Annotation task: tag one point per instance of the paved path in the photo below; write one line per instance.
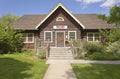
(82, 61)
(60, 71)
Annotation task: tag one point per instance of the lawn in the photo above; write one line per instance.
(96, 71)
(21, 66)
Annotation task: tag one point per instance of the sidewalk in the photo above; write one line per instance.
(60, 71)
(82, 61)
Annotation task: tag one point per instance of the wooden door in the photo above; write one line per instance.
(60, 39)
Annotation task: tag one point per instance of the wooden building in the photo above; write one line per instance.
(59, 27)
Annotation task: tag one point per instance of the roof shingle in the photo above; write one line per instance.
(90, 21)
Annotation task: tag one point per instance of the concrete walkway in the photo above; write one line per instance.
(81, 61)
(60, 71)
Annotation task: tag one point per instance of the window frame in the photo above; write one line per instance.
(69, 35)
(45, 36)
(62, 19)
(26, 38)
(93, 38)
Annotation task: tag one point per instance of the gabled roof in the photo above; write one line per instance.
(87, 21)
(91, 21)
(60, 5)
(28, 22)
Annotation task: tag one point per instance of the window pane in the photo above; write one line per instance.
(72, 35)
(30, 37)
(96, 37)
(48, 36)
(24, 38)
(90, 37)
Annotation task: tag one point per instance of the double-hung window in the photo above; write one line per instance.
(28, 38)
(93, 37)
(72, 35)
(48, 36)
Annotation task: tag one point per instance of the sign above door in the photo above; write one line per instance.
(60, 27)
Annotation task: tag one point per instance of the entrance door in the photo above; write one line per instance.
(60, 39)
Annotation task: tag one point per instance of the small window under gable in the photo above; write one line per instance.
(60, 19)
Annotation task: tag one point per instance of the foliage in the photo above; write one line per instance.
(79, 48)
(110, 35)
(102, 16)
(97, 71)
(92, 47)
(20, 66)
(103, 56)
(10, 40)
(114, 17)
(42, 53)
(114, 47)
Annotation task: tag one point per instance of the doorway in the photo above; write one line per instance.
(60, 39)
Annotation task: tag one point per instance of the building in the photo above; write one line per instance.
(59, 27)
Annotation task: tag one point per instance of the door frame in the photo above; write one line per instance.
(56, 37)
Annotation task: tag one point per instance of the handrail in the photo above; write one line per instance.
(48, 50)
(73, 49)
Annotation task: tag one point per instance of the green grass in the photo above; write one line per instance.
(20, 66)
(97, 71)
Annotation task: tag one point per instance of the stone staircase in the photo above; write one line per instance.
(60, 53)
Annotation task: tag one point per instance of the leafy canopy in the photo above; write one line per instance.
(10, 40)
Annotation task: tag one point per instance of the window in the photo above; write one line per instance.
(48, 36)
(72, 35)
(93, 37)
(28, 38)
(60, 19)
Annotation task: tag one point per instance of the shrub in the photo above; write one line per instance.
(114, 47)
(94, 47)
(103, 56)
(42, 53)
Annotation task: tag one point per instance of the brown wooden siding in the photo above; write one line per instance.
(51, 21)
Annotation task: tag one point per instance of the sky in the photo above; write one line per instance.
(22, 7)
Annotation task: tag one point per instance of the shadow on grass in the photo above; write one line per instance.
(97, 71)
(14, 69)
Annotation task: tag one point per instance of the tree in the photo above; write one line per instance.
(114, 18)
(10, 40)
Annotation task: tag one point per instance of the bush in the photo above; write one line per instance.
(94, 47)
(42, 53)
(103, 56)
(114, 47)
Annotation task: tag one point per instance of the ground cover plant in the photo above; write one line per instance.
(97, 71)
(21, 66)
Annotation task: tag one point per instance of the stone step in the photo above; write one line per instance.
(60, 58)
(60, 53)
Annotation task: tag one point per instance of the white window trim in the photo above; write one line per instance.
(93, 36)
(51, 36)
(27, 38)
(60, 20)
(69, 35)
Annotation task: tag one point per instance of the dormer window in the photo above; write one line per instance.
(60, 19)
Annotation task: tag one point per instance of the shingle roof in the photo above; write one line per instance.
(28, 22)
(90, 21)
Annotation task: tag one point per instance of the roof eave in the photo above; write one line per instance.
(60, 5)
